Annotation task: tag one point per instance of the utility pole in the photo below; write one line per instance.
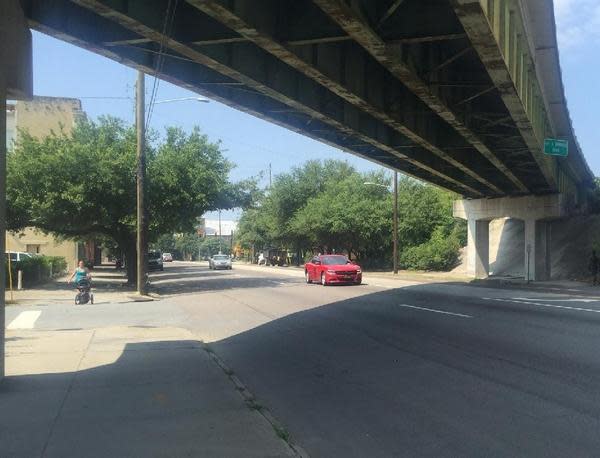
(199, 245)
(220, 233)
(395, 222)
(2, 211)
(142, 239)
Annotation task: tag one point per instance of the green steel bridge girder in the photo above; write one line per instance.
(452, 92)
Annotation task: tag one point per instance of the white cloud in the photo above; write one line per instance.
(578, 23)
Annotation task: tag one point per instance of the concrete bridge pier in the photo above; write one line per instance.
(534, 211)
(16, 82)
(478, 247)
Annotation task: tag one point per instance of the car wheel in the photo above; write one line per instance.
(162, 269)
(307, 276)
(358, 282)
(323, 279)
(91, 298)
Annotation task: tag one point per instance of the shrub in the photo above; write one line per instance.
(37, 269)
(59, 264)
(440, 252)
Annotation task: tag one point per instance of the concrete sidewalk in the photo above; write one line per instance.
(126, 392)
(109, 285)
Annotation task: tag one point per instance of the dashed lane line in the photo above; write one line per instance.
(540, 304)
(556, 300)
(435, 311)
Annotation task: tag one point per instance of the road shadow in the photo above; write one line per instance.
(156, 277)
(366, 377)
(161, 398)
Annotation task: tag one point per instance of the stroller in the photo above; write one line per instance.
(84, 294)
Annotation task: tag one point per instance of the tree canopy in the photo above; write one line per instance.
(84, 183)
(327, 206)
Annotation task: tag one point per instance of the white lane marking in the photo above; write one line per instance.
(555, 300)
(435, 311)
(24, 320)
(539, 304)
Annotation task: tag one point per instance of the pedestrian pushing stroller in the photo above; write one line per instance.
(84, 292)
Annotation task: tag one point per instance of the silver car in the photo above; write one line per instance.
(219, 261)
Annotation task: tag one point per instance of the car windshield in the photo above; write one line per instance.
(154, 254)
(166, 254)
(334, 260)
(221, 257)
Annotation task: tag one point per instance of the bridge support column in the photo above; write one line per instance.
(535, 211)
(478, 248)
(15, 83)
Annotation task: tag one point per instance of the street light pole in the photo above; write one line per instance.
(141, 236)
(395, 222)
(395, 217)
(220, 233)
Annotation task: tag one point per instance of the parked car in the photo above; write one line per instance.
(18, 255)
(167, 257)
(220, 261)
(155, 261)
(332, 269)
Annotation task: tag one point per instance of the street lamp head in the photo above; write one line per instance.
(197, 99)
(370, 183)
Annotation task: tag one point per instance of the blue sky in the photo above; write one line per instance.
(64, 70)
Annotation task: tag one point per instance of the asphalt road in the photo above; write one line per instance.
(380, 371)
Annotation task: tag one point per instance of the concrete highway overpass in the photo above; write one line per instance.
(458, 93)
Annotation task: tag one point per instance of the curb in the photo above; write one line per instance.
(252, 404)
(140, 298)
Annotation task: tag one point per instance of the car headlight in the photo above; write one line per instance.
(358, 271)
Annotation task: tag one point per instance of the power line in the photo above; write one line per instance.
(166, 31)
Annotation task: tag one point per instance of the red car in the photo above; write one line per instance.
(332, 269)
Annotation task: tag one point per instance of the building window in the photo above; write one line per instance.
(32, 248)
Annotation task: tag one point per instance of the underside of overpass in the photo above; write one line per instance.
(459, 93)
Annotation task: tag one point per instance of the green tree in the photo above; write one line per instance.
(348, 216)
(187, 245)
(253, 229)
(83, 184)
(166, 243)
(327, 206)
(212, 245)
(268, 223)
